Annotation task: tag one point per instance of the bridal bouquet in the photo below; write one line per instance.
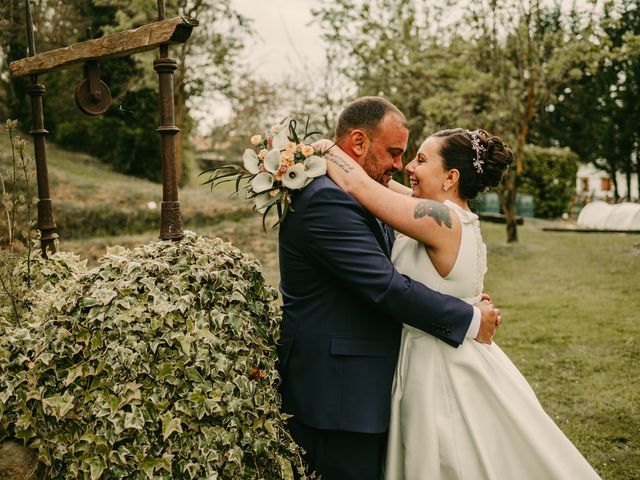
(277, 164)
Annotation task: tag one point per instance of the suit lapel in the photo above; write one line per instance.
(379, 230)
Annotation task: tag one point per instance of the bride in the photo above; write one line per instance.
(464, 413)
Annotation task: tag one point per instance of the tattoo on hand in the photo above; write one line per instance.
(337, 161)
(435, 210)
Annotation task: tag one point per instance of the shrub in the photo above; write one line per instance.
(27, 276)
(549, 175)
(158, 363)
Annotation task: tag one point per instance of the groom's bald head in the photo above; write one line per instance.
(366, 114)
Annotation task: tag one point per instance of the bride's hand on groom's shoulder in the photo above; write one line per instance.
(490, 319)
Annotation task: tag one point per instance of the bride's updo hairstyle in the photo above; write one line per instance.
(481, 159)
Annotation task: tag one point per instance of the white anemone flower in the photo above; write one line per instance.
(251, 161)
(261, 201)
(315, 166)
(262, 182)
(295, 177)
(272, 160)
(280, 139)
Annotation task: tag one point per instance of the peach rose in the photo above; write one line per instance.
(290, 147)
(307, 150)
(287, 155)
(256, 139)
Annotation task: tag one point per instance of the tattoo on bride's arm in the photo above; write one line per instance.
(337, 161)
(435, 210)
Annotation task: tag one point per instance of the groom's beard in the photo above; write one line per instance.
(372, 166)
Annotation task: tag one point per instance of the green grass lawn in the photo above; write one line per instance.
(571, 302)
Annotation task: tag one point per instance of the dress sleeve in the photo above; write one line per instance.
(338, 235)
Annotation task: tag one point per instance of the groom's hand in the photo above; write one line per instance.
(490, 318)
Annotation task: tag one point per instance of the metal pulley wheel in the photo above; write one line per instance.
(92, 95)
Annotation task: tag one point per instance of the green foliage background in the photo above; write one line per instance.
(550, 176)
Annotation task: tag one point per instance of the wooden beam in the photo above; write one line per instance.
(141, 39)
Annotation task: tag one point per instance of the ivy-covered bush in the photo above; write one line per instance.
(24, 273)
(159, 363)
(549, 175)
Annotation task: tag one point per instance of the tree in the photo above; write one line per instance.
(531, 52)
(598, 115)
(57, 22)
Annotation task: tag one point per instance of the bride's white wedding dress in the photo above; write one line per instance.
(467, 413)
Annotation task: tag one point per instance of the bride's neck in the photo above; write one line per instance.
(455, 198)
(458, 201)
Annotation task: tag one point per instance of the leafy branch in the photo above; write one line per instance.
(14, 203)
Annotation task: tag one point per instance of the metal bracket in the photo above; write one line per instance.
(92, 95)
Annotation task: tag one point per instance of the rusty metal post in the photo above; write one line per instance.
(46, 219)
(170, 216)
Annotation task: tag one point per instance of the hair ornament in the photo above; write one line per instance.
(478, 148)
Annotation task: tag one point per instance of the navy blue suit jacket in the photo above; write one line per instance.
(343, 309)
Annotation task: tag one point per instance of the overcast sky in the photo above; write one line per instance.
(285, 35)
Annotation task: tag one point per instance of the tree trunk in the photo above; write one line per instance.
(508, 204)
(508, 197)
(614, 181)
(638, 172)
(637, 158)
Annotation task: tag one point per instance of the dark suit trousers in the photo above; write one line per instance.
(340, 455)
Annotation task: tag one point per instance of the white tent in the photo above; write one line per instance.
(604, 216)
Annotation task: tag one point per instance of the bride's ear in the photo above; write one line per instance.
(453, 177)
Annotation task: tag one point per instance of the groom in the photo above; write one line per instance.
(344, 305)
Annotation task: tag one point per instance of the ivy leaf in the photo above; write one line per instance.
(96, 466)
(170, 425)
(134, 419)
(104, 296)
(59, 405)
(89, 302)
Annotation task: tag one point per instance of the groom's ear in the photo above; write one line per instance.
(359, 142)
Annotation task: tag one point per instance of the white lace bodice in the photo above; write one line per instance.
(465, 280)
